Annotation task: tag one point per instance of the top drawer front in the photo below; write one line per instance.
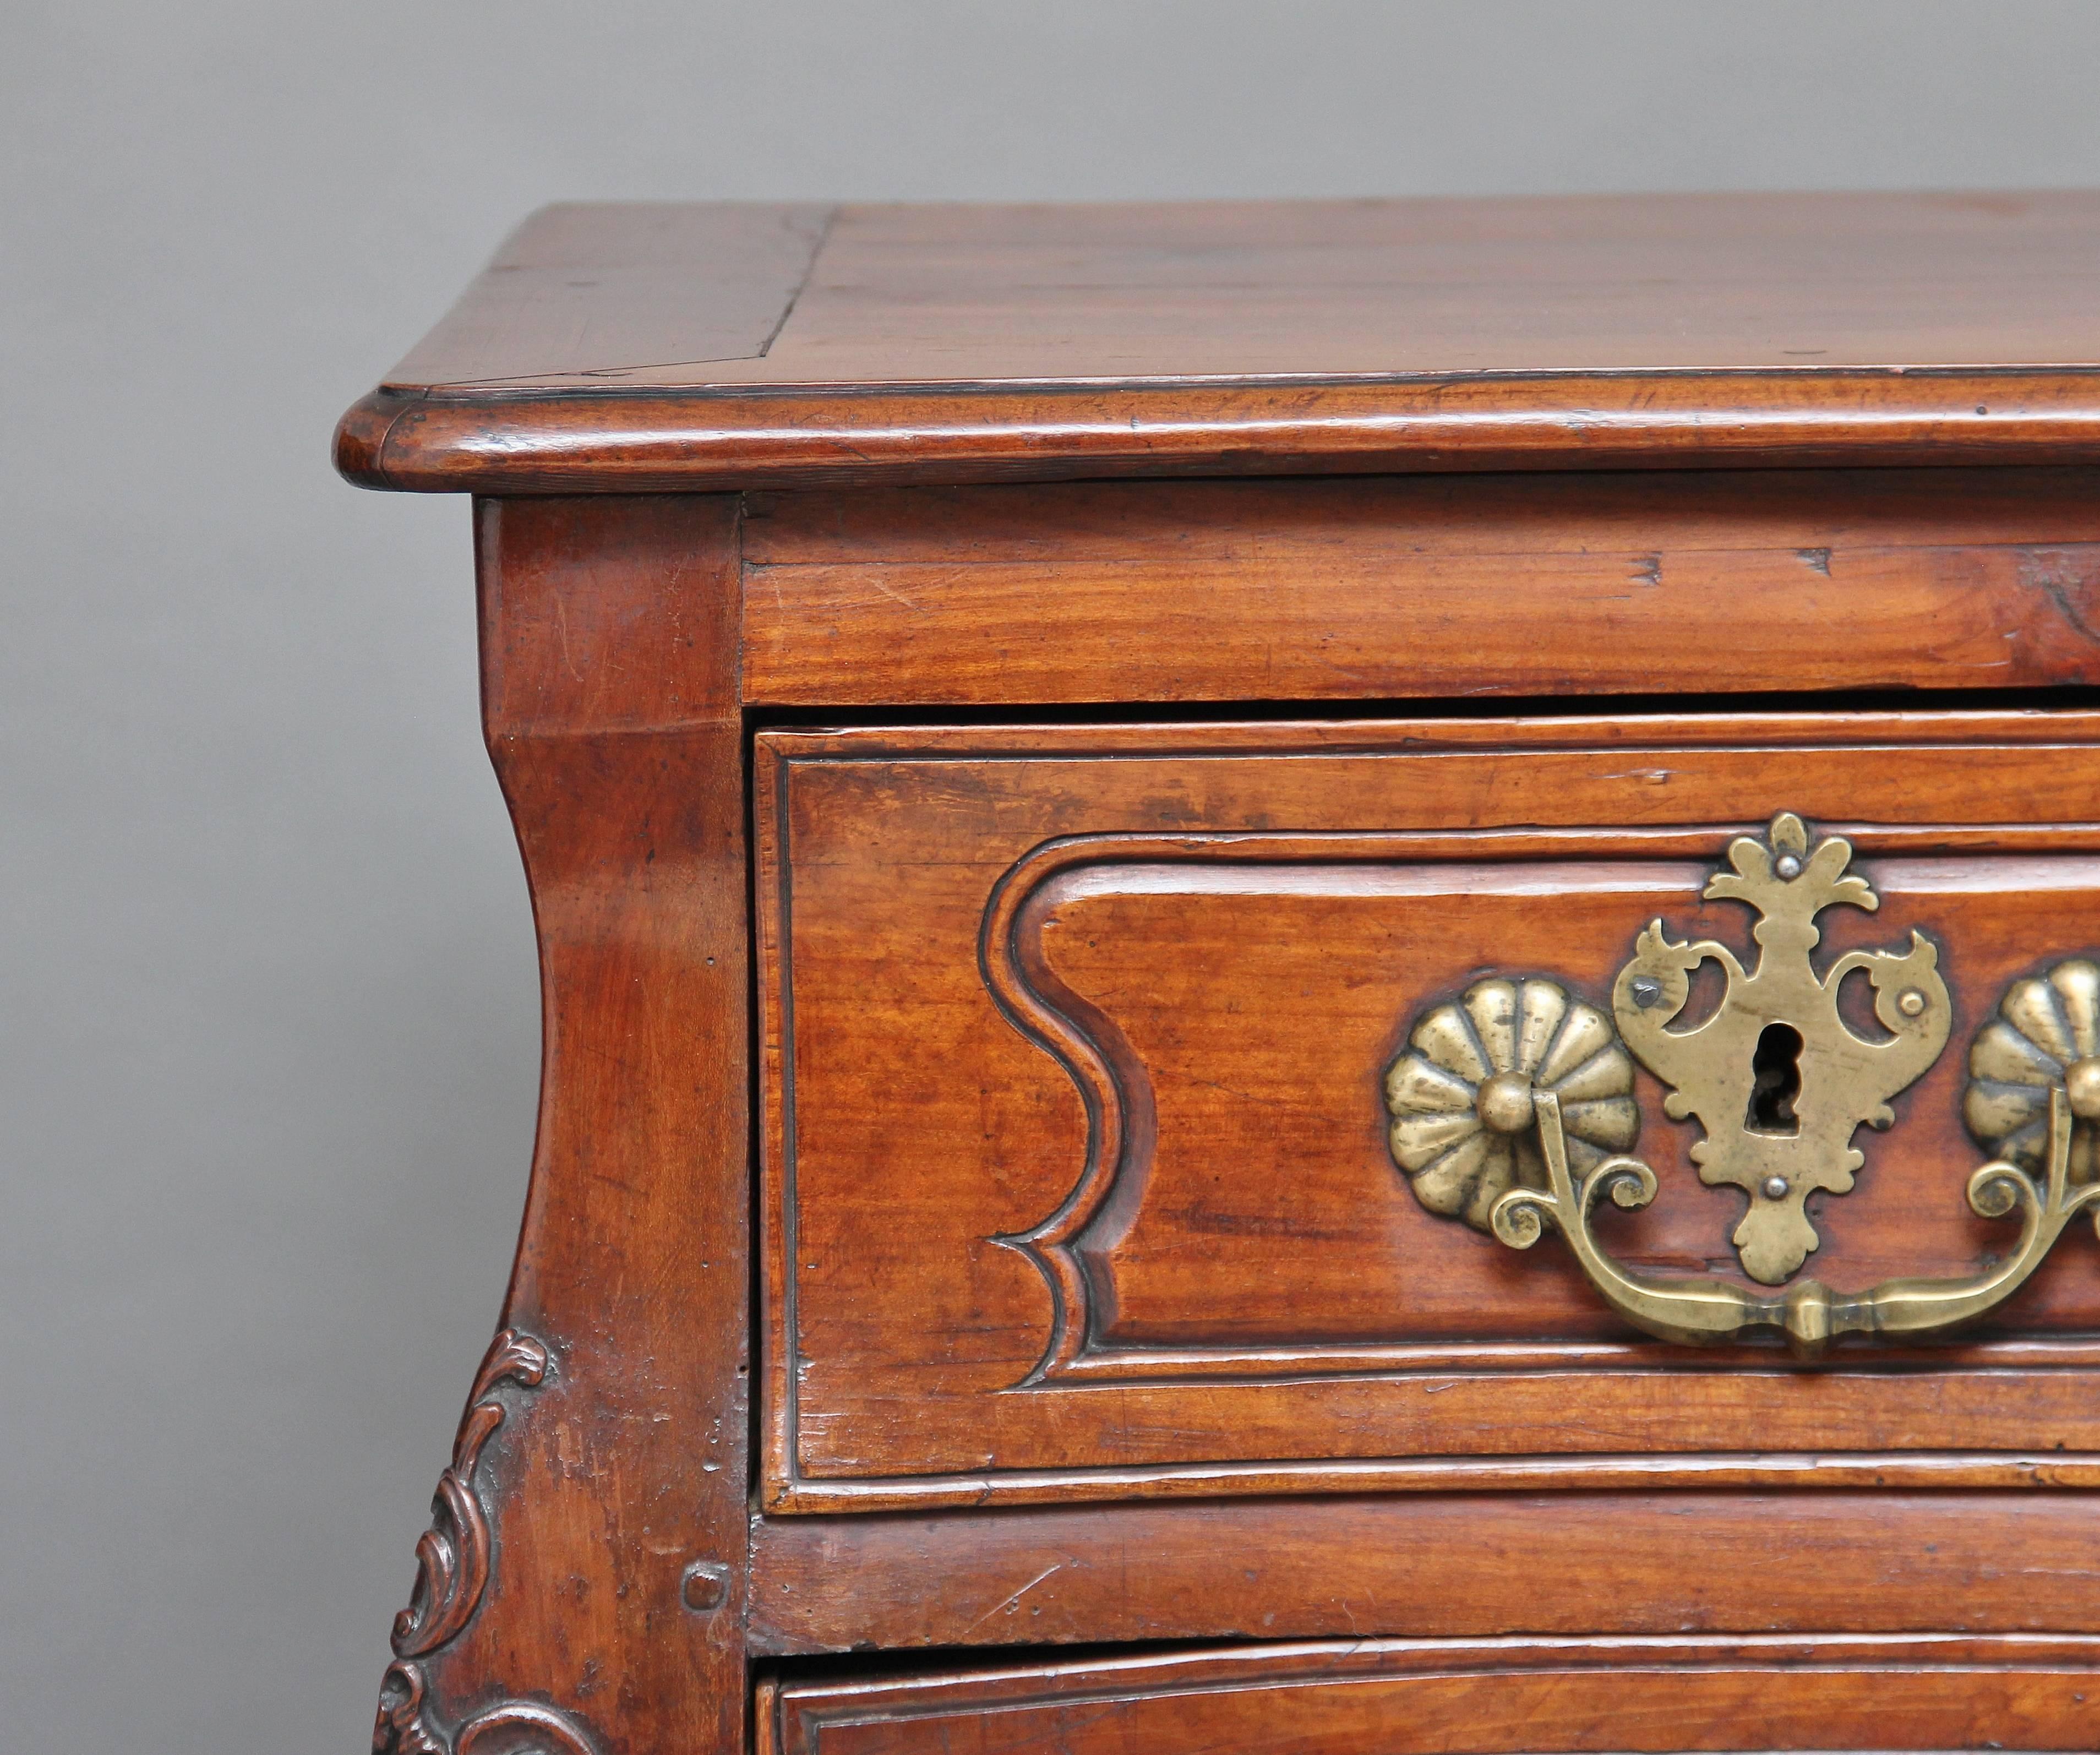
(1078, 1172)
(1412, 587)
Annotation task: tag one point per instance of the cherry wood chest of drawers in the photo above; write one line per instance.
(1319, 976)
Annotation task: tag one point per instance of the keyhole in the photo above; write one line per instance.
(1775, 1080)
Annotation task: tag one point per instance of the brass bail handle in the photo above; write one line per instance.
(1512, 1104)
(1699, 1310)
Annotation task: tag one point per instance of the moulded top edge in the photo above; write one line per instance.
(639, 347)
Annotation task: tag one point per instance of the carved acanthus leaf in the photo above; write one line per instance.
(452, 1559)
(406, 1726)
(451, 1572)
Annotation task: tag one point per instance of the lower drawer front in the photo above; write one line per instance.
(1383, 1698)
(1112, 1146)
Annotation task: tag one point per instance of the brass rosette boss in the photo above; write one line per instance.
(1511, 1107)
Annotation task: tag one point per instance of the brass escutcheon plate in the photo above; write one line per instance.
(1510, 1102)
(1779, 1154)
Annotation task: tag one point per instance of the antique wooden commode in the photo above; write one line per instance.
(1126, 807)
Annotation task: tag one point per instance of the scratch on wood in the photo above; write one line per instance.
(895, 597)
(1008, 1604)
(562, 633)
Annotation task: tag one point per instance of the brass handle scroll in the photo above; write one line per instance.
(1513, 1104)
(1701, 1312)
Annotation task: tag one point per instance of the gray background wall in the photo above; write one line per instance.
(267, 1030)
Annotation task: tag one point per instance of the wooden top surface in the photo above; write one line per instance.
(638, 345)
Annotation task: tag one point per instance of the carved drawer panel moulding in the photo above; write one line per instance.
(1562, 1056)
(1069, 1245)
(453, 1562)
(1145, 1064)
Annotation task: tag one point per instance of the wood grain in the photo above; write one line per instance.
(584, 293)
(1421, 588)
(1108, 293)
(599, 442)
(1115, 1043)
(627, 348)
(609, 696)
(1093, 1310)
(1454, 1565)
(1390, 1697)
